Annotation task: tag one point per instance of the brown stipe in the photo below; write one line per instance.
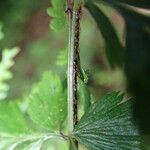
(76, 61)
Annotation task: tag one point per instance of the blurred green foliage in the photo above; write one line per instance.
(26, 24)
(5, 74)
(36, 46)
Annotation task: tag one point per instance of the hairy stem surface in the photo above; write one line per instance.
(74, 14)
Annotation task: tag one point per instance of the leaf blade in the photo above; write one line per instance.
(47, 103)
(136, 3)
(108, 125)
(58, 22)
(12, 121)
(114, 49)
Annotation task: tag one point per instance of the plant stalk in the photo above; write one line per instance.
(74, 14)
(70, 74)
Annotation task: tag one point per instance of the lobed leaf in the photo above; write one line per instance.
(47, 102)
(137, 64)
(108, 125)
(58, 13)
(62, 57)
(12, 120)
(5, 74)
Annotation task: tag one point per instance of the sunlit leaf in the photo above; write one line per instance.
(5, 74)
(108, 125)
(47, 102)
(12, 120)
(27, 142)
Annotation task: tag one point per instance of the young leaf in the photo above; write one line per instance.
(47, 102)
(5, 74)
(108, 125)
(58, 13)
(11, 119)
(114, 49)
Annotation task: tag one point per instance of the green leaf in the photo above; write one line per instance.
(82, 74)
(136, 3)
(27, 142)
(1, 33)
(108, 125)
(72, 145)
(5, 74)
(114, 49)
(84, 95)
(62, 58)
(137, 65)
(47, 102)
(12, 120)
(137, 55)
(58, 13)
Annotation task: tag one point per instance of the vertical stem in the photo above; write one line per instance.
(73, 60)
(76, 61)
(70, 74)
